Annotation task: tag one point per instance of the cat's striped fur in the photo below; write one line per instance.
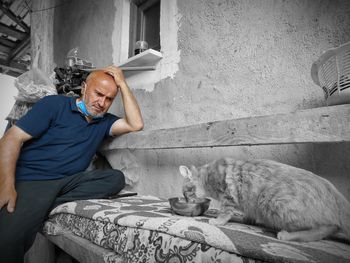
(298, 204)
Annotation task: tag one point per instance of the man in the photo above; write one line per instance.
(44, 156)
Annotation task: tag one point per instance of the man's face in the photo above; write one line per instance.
(98, 95)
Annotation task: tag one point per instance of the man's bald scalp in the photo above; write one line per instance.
(99, 75)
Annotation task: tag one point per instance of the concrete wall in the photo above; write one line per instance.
(223, 59)
(87, 25)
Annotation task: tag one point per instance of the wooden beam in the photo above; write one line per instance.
(12, 73)
(5, 49)
(14, 66)
(7, 42)
(13, 17)
(3, 56)
(20, 49)
(81, 249)
(11, 31)
(325, 124)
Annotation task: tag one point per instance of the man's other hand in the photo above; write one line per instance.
(8, 196)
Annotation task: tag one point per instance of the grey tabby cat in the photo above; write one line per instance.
(298, 204)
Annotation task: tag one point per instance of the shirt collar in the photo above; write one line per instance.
(74, 107)
(73, 104)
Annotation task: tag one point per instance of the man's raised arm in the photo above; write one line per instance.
(133, 119)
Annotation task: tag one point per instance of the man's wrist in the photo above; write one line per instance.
(122, 86)
(7, 180)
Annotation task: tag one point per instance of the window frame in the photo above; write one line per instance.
(136, 32)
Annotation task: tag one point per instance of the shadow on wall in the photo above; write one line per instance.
(159, 173)
(332, 162)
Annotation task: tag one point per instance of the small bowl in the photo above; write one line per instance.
(196, 208)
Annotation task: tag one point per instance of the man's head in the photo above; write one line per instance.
(98, 92)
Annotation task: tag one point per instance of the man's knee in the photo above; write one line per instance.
(112, 180)
(118, 179)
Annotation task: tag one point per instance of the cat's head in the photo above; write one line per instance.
(204, 181)
(192, 187)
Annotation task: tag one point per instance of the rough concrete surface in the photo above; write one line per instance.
(237, 58)
(86, 24)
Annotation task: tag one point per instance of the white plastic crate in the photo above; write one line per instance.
(332, 73)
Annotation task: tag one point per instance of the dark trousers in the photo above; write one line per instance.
(35, 199)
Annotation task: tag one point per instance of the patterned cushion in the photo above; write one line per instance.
(144, 229)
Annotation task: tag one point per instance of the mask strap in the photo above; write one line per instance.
(82, 106)
(85, 85)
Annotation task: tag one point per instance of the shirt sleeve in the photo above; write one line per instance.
(111, 120)
(39, 117)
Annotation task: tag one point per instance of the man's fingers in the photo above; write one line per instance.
(109, 69)
(11, 205)
(112, 69)
(110, 72)
(116, 73)
(3, 205)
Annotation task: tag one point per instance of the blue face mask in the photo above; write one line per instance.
(81, 105)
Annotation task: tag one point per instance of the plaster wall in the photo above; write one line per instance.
(86, 24)
(222, 59)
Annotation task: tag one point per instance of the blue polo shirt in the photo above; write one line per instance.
(63, 141)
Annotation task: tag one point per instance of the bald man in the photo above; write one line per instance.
(43, 157)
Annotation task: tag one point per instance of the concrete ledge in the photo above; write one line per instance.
(325, 124)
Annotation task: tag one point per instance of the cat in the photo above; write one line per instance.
(297, 203)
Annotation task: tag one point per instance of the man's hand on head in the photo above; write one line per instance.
(116, 73)
(132, 120)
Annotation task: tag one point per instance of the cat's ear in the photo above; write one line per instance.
(185, 172)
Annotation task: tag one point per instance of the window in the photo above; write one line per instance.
(144, 24)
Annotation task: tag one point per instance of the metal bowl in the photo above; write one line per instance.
(196, 208)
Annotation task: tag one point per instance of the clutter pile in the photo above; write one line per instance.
(34, 84)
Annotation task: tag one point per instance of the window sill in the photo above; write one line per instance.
(146, 60)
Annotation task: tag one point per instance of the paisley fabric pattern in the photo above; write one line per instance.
(144, 229)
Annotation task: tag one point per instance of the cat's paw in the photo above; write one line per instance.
(283, 235)
(217, 221)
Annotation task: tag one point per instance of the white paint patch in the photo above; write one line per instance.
(144, 80)
(169, 26)
(120, 36)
